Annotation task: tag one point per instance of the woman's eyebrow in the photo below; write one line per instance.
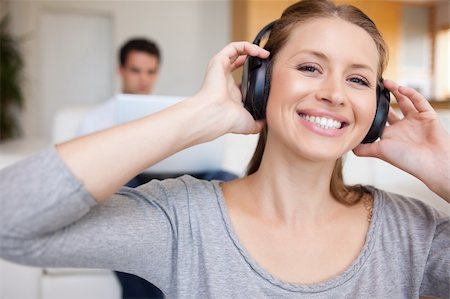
(362, 66)
(313, 53)
(323, 56)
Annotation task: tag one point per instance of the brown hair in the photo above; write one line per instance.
(302, 12)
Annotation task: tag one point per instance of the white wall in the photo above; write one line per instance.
(189, 32)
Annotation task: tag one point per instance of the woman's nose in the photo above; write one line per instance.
(331, 90)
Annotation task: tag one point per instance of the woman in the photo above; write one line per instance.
(291, 228)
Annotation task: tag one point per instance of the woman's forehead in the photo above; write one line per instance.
(334, 37)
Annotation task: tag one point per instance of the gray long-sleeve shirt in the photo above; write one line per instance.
(177, 234)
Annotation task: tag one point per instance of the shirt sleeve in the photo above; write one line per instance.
(49, 219)
(436, 279)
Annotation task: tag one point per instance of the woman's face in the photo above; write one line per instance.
(323, 90)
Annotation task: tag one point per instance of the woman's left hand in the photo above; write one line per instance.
(416, 143)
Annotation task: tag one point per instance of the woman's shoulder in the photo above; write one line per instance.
(183, 190)
(189, 202)
(182, 184)
(405, 208)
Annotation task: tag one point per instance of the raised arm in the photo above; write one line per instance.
(416, 143)
(106, 160)
(49, 212)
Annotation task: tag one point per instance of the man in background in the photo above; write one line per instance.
(139, 61)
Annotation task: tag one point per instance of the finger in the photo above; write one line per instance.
(368, 150)
(417, 99)
(233, 50)
(393, 117)
(404, 103)
(238, 62)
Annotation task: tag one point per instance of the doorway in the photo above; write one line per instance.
(75, 62)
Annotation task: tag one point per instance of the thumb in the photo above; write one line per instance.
(368, 150)
(259, 125)
(255, 127)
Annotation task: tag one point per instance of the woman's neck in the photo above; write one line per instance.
(295, 191)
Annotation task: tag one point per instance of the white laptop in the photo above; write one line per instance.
(203, 157)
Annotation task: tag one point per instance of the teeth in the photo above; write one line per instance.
(323, 122)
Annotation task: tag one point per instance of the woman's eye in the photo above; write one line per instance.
(359, 81)
(308, 68)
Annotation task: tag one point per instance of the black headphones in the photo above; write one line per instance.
(255, 88)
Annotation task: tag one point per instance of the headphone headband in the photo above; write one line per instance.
(263, 32)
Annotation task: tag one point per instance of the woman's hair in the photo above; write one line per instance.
(302, 12)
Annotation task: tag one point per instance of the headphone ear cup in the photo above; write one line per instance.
(381, 114)
(267, 80)
(255, 86)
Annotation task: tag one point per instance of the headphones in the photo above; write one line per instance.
(255, 88)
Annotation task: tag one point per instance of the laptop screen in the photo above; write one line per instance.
(199, 158)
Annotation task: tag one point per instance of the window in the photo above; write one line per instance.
(442, 65)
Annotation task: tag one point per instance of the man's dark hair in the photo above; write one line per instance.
(141, 45)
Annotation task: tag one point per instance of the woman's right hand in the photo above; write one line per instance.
(220, 89)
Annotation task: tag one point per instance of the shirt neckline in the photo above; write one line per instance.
(334, 282)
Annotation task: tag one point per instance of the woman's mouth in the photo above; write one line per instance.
(323, 122)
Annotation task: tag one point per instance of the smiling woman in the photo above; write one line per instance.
(290, 228)
(313, 62)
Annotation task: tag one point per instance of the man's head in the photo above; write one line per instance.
(139, 65)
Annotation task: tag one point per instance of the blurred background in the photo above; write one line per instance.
(59, 54)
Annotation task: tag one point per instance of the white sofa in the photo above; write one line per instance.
(19, 282)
